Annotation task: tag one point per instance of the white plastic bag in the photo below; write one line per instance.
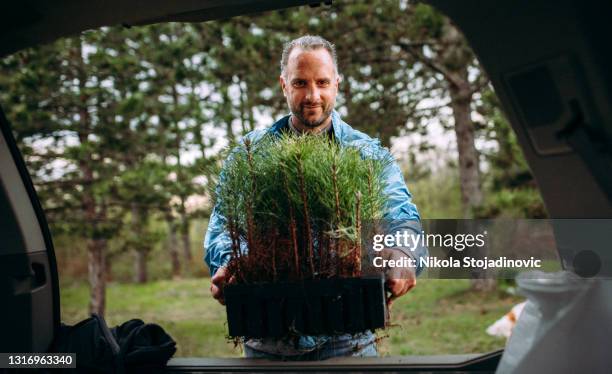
(565, 327)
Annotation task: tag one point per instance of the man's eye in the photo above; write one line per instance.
(323, 83)
(298, 84)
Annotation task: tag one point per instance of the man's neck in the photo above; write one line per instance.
(323, 128)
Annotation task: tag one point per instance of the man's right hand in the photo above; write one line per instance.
(217, 282)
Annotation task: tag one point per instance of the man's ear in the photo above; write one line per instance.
(283, 85)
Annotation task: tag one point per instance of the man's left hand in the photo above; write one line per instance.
(399, 280)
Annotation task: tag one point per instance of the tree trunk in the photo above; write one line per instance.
(243, 110)
(185, 239)
(173, 247)
(251, 117)
(96, 249)
(142, 244)
(181, 179)
(228, 117)
(108, 268)
(94, 212)
(456, 60)
(173, 243)
(469, 173)
(483, 285)
(140, 266)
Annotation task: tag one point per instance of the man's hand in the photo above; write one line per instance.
(401, 279)
(217, 283)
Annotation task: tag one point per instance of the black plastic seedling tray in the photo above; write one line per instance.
(311, 307)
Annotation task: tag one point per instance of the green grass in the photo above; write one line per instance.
(437, 317)
(445, 317)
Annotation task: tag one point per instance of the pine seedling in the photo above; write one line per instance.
(295, 207)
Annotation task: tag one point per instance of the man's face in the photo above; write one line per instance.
(310, 85)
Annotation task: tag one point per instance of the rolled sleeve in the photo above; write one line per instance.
(217, 243)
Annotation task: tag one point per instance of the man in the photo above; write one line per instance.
(309, 80)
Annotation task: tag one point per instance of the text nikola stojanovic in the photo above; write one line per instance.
(459, 242)
(465, 262)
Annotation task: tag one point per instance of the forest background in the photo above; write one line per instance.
(120, 126)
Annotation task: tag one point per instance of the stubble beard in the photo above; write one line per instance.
(299, 114)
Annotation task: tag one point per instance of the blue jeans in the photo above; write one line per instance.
(331, 348)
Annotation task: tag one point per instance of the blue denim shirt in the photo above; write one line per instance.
(217, 243)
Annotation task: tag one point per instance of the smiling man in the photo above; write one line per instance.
(309, 80)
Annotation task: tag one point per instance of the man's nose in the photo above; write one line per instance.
(313, 93)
